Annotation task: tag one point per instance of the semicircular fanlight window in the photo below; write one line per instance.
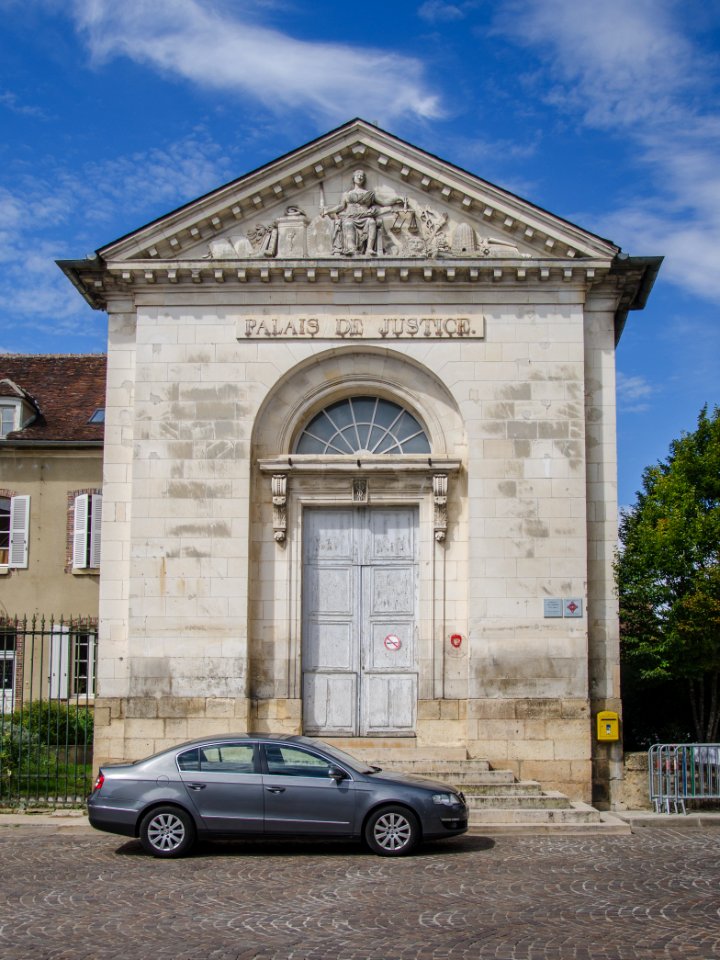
(367, 425)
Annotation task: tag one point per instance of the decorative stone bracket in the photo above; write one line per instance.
(279, 500)
(360, 491)
(440, 493)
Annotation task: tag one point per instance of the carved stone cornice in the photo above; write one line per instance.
(132, 276)
(384, 463)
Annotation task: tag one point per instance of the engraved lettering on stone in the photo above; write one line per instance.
(279, 500)
(440, 495)
(361, 328)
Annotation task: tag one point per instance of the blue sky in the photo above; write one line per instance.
(603, 111)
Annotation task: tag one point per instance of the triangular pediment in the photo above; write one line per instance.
(358, 193)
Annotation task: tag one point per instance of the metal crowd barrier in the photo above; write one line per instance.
(679, 772)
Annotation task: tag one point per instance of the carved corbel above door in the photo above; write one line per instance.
(279, 501)
(440, 483)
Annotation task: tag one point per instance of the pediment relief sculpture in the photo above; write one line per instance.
(364, 222)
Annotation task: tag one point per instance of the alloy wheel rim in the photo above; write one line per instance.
(392, 831)
(166, 832)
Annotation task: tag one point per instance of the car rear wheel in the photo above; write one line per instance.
(392, 831)
(167, 832)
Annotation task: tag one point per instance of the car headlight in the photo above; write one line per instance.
(446, 799)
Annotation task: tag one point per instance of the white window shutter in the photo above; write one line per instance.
(19, 531)
(92, 644)
(95, 527)
(60, 663)
(80, 531)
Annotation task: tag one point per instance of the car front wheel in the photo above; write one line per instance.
(392, 831)
(167, 832)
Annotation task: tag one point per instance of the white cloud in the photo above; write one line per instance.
(630, 388)
(438, 10)
(12, 102)
(633, 393)
(224, 47)
(38, 223)
(631, 69)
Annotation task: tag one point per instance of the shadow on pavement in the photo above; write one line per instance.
(312, 848)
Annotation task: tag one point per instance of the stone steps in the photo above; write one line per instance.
(537, 800)
(509, 788)
(497, 801)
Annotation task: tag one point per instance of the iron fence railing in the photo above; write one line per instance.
(681, 772)
(47, 691)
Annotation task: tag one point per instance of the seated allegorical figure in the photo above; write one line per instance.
(358, 219)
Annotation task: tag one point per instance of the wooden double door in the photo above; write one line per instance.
(359, 650)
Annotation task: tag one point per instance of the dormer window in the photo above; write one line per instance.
(17, 408)
(8, 418)
(13, 414)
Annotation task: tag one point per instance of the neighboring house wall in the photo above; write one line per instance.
(51, 467)
(48, 585)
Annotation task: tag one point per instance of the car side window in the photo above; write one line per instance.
(293, 762)
(220, 758)
(190, 760)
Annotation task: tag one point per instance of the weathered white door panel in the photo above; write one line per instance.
(391, 535)
(330, 628)
(330, 703)
(389, 704)
(389, 602)
(329, 535)
(359, 610)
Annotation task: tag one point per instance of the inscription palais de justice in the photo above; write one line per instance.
(362, 327)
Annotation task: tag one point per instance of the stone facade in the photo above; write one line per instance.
(358, 266)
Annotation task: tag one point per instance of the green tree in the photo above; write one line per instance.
(668, 573)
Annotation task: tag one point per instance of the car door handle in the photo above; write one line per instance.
(196, 786)
(275, 789)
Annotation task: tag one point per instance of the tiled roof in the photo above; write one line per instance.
(65, 389)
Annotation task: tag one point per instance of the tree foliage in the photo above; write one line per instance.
(668, 573)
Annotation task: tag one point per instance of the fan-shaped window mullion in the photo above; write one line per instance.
(352, 425)
(388, 430)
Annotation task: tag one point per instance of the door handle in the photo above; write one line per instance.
(196, 786)
(275, 789)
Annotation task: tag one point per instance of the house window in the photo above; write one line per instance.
(7, 419)
(86, 531)
(84, 660)
(14, 531)
(7, 668)
(98, 416)
(367, 425)
(73, 661)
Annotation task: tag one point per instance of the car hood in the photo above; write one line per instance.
(412, 780)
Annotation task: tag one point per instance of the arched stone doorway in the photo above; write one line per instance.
(353, 454)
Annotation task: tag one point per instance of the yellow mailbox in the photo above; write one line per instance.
(608, 725)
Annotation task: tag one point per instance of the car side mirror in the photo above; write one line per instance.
(335, 773)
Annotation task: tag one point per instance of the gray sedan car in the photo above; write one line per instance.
(266, 786)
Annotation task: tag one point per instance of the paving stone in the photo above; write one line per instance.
(654, 894)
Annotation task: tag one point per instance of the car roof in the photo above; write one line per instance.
(224, 737)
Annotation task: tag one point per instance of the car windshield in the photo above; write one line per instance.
(358, 765)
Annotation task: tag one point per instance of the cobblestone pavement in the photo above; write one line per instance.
(654, 894)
